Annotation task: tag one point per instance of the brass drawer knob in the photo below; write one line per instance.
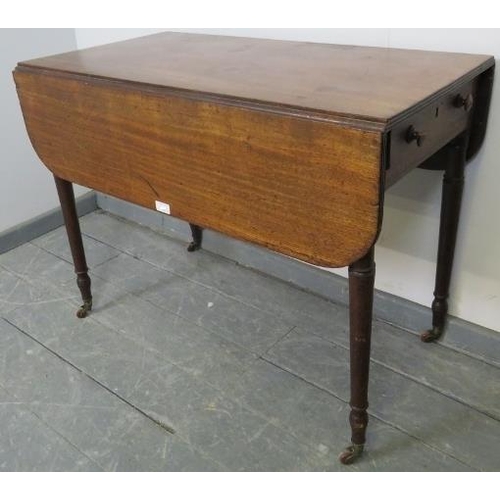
(413, 135)
(464, 102)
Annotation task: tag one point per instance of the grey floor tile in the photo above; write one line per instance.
(56, 243)
(469, 338)
(30, 445)
(183, 343)
(224, 277)
(145, 244)
(131, 274)
(103, 427)
(211, 423)
(203, 267)
(24, 286)
(36, 266)
(452, 427)
(228, 318)
(466, 379)
(17, 291)
(320, 419)
(458, 375)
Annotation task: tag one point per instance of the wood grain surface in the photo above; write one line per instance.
(376, 84)
(306, 188)
(289, 145)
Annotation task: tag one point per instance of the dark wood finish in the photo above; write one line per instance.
(482, 99)
(197, 234)
(289, 145)
(453, 182)
(361, 281)
(68, 207)
(369, 83)
(437, 124)
(476, 127)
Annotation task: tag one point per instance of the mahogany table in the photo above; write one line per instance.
(288, 145)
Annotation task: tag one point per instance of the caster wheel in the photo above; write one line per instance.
(431, 335)
(84, 309)
(192, 247)
(351, 454)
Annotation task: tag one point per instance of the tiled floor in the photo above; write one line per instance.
(191, 362)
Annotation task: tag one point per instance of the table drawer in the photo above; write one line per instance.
(428, 130)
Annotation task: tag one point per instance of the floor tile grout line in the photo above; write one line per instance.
(71, 260)
(64, 438)
(441, 392)
(204, 328)
(160, 424)
(469, 354)
(28, 408)
(51, 286)
(372, 415)
(320, 297)
(277, 341)
(425, 443)
(137, 296)
(448, 395)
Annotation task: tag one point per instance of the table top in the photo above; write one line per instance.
(283, 144)
(373, 84)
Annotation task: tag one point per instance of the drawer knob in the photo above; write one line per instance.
(413, 135)
(464, 102)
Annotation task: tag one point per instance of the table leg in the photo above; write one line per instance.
(361, 282)
(453, 182)
(197, 233)
(67, 199)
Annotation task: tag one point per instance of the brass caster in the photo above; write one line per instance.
(84, 309)
(351, 454)
(193, 247)
(431, 335)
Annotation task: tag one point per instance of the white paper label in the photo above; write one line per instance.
(162, 207)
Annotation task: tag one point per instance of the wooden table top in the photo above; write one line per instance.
(363, 83)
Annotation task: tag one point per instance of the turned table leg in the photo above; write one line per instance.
(67, 199)
(197, 233)
(361, 282)
(453, 183)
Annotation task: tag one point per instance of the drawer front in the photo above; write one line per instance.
(428, 130)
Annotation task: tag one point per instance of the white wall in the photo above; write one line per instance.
(406, 251)
(26, 187)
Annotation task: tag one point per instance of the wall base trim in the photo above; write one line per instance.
(48, 221)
